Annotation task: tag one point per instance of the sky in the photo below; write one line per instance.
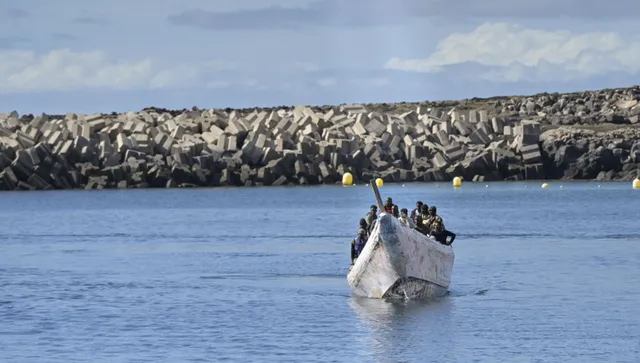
(102, 56)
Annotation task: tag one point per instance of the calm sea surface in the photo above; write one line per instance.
(259, 275)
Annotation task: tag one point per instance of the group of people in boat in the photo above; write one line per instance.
(423, 218)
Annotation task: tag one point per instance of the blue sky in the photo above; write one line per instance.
(103, 56)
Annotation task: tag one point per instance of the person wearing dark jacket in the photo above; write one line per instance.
(371, 218)
(358, 244)
(437, 228)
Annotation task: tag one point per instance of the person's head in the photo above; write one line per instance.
(424, 209)
(362, 233)
(389, 201)
(403, 212)
(433, 210)
(395, 210)
(374, 208)
(363, 223)
(418, 205)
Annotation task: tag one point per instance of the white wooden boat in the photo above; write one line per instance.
(400, 262)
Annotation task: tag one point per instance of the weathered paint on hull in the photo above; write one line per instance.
(413, 288)
(400, 262)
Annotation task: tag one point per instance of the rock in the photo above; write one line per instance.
(512, 138)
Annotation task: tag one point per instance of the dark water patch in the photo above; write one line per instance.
(74, 251)
(22, 332)
(538, 235)
(228, 277)
(67, 235)
(176, 237)
(233, 276)
(245, 254)
(315, 275)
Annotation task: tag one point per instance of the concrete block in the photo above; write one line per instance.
(454, 152)
(507, 131)
(530, 128)
(479, 136)
(439, 161)
(531, 154)
(483, 116)
(463, 127)
(474, 118)
(442, 138)
(375, 127)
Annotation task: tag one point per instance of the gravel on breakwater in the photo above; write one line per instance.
(584, 135)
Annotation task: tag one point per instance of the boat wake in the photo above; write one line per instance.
(480, 292)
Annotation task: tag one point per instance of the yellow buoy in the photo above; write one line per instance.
(636, 183)
(347, 179)
(457, 181)
(545, 185)
(379, 182)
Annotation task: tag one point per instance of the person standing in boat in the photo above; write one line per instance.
(416, 212)
(404, 219)
(437, 228)
(388, 206)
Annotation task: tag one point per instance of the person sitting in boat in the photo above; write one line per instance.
(362, 227)
(357, 244)
(371, 217)
(388, 206)
(416, 212)
(423, 220)
(363, 224)
(373, 210)
(395, 212)
(437, 229)
(404, 219)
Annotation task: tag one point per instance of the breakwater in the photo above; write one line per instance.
(585, 135)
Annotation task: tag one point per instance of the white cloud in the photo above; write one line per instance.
(328, 82)
(379, 82)
(66, 70)
(24, 71)
(250, 82)
(218, 84)
(515, 53)
(306, 66)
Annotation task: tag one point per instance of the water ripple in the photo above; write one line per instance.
(168, 275)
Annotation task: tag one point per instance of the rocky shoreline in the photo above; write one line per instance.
(580, 136)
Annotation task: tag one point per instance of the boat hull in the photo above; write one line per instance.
(400, 262)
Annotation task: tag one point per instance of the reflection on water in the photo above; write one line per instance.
(396, 327)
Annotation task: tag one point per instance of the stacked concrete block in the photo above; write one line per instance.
(301, 145)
